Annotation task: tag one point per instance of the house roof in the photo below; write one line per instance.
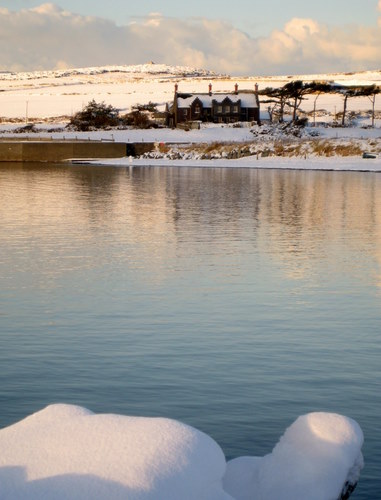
(248, 99)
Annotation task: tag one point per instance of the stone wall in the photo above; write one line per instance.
(56, 151)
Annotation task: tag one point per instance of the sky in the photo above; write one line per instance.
(240, 37)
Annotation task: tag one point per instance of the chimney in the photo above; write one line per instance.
(176, 88)
(256, 88)
(236, 88)
(210, 89)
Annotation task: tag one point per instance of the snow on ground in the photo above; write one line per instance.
(49, 94)
(52, 97)
(227, 146)
(317, 455)
(66, 452)
(208, 133)
(284, 163)
(139, 69)
(62, 93)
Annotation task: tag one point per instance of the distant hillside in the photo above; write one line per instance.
(149, 69)
(358, 77)
(153, 70)
(61, 93)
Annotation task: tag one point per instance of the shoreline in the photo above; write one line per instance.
(342, 164)
(266, 147)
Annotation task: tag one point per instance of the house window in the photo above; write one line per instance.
(235, 109)
(197, 109)
(219, 109)
(227, 109)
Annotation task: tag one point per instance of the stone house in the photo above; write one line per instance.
(216, 107)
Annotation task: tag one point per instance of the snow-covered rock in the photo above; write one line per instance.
(317, 458)
(67, 452)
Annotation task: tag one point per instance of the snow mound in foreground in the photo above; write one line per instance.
(66, 452)
(318, 458)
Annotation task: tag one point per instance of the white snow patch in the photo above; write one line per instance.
(285, 163)
(67, 452)
(316, 456)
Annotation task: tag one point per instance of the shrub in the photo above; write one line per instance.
(94, 116)
(329, 148)
(151, 107)
(137, 119)
(26, 128)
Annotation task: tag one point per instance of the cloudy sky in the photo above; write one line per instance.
(246, 37)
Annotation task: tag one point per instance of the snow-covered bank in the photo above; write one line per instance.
(322, 163)
(66, 452)
(216, 145)
(208, 133)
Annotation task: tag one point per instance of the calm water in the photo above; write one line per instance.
(233, 300)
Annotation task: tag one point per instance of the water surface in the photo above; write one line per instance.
(233, 300)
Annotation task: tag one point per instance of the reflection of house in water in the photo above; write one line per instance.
(217, 107)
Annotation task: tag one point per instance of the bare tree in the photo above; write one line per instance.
(348, 92)
(277, 101)
(318, 88)
(291, 95)
(295, 92)
(370, 92)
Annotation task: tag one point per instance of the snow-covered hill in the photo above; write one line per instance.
(60, 93)
(149, 69)
(352, 78)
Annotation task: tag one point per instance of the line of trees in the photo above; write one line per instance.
(289, 97)
(97, 115)
(292, 94)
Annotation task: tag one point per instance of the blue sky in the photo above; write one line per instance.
(252, 16)
(282, 36)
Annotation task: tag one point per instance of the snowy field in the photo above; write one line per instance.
(53, 94)
(67, 452)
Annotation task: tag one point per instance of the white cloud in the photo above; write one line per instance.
(301, 29)
(48, 37)
(47, 8)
